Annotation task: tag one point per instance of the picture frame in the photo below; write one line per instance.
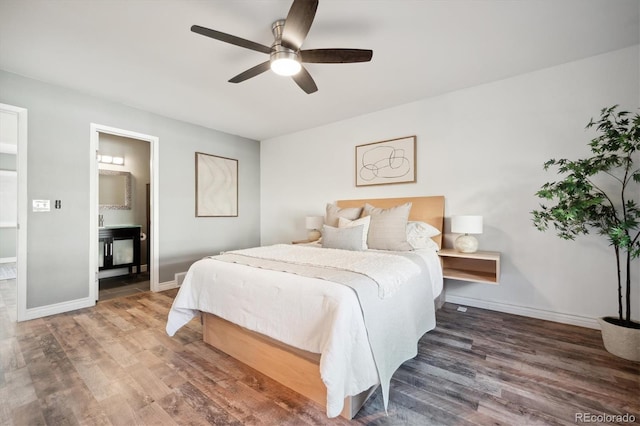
(216, 186)
(386, 162)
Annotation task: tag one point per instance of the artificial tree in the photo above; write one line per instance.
(585, 201)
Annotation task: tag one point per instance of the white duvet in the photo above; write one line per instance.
(308, 313)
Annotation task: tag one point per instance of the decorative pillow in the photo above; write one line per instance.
(365, 221)
(426, 244)
(419, 235)
(334, 213)
(388, 228)
(349, 238)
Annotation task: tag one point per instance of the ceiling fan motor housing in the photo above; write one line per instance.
(284, 61)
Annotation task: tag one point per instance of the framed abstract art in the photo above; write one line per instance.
(216, 186)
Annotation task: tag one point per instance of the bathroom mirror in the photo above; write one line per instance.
(114, 190)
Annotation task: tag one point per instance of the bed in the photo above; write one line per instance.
(303, 329)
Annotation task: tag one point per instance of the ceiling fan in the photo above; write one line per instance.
(286, 58)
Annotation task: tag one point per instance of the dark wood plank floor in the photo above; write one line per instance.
(114, 364)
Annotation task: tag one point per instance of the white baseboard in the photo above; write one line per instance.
(8, 259)
(525, 311)
(58, 308)
(167, 285)
(175, 283)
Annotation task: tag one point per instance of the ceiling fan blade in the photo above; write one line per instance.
(251, 72)
(298, 23)
(305, 81)
(335, 56)
(228, 38)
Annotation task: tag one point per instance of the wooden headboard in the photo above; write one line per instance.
(424, 209)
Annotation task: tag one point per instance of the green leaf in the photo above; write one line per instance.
(578, 203)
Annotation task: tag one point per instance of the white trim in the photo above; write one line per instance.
(525, 311)
(8, 224)
(8, 259)
(21, 240)
(95, 130)
(8, 148)
(167, 285)
(58, 308)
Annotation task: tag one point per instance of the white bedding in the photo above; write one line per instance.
(308, 313)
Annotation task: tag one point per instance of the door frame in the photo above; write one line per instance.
(23, 202)
(96, 129)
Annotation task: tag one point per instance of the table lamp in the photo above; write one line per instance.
(466, 225)
(314, 225)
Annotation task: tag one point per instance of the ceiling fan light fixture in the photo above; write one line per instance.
(286, 58)
(285, 63)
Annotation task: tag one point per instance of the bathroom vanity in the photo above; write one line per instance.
(119, 247)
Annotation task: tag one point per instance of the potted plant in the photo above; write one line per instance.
(597, 194)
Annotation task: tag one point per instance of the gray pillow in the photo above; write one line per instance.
(388, 228)
(349, 238)
(334, 213)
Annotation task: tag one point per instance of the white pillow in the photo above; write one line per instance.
(349, 238)
(422, 229)
(425, 244)
(419, 235)
(365, 221)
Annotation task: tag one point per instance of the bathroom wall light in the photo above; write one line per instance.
(108, 159)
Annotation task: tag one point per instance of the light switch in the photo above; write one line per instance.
(41, 205)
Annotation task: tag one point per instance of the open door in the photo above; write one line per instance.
(151, 201)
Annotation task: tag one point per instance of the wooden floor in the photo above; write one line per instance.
(114, 364)
(124, 285)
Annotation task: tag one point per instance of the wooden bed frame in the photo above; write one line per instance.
(297, 369)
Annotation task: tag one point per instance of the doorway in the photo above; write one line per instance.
(13, 218)
(148, 200)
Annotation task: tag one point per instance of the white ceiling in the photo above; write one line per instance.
(142, 53)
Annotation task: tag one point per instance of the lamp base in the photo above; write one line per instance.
(466, 244)
(313, 235)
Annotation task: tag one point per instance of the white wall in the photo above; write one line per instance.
(59, 161)
(483, 148)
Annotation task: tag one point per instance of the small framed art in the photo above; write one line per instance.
(386, 162)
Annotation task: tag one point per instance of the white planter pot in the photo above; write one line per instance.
(623, 342)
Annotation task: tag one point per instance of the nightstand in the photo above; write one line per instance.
(481, 266)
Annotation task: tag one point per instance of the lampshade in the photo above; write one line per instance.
(466, 224)
(314, 225)
(314, 222)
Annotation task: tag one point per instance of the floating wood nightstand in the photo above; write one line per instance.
(481, 266)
